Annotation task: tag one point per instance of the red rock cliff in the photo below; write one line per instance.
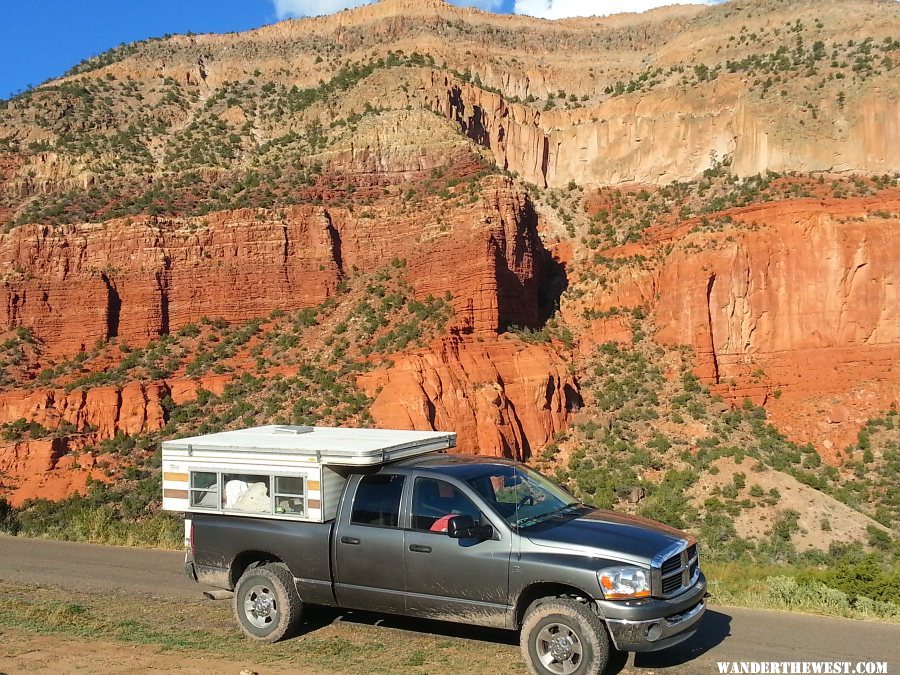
(138, 279)
(806, 302)
(504, 398)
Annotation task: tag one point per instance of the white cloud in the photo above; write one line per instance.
(487, 5)
(290, 8)
(561, 9)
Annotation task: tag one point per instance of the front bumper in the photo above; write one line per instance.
(656, 634)
(653, 624)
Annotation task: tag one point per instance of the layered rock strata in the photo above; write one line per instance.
(136, 279)
(502, 397)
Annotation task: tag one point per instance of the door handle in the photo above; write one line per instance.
(419, 548)
(349, 540)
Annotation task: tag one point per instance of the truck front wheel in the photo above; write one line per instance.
(564, 637)
(266, 604)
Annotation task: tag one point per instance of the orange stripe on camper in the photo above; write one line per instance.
(176, 477)
(313, 485)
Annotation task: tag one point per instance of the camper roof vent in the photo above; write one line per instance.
(292, 429)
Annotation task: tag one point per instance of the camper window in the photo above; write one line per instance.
(248, 493)
(204, 490)
(290, 495)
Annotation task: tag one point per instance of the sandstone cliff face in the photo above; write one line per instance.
(134, 408)
(137, 280)
(863, 140)
(48, 171)
(607, 134)
(487, 254)
(503, 398)
(807, 304)
(663, 137)
(75, 285)
(54, 468)
(813, 278)
(798, 298)
(43, 469)
(647, 140)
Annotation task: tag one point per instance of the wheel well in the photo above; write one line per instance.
(249, 559)
(545, 590)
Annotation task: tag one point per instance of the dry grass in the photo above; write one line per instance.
(204, 629)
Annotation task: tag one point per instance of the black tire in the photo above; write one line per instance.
(569, 627)
(266, 604)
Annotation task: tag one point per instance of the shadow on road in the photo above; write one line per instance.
(712, 630)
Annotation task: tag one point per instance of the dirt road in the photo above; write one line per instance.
(62, 569)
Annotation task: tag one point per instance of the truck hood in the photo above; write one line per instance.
(606, 534)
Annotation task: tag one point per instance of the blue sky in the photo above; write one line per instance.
(40, 39)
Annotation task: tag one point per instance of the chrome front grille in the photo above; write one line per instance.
(671, 565)
(675, 569)
(670, 585)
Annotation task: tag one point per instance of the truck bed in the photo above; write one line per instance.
(304, 547)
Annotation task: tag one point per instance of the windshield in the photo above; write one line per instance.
(521, 496)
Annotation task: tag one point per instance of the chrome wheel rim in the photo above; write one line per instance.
(261, 607)
(559, 649)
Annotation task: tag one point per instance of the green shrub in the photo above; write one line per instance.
(9, 521)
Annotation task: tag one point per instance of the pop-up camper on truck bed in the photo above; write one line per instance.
(290, 472)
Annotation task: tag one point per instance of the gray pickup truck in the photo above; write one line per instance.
(468, 539)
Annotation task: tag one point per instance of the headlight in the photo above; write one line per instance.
(619, 583)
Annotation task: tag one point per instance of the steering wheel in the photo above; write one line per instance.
(527, 499)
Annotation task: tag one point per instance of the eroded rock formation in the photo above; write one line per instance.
(43, 469)
(134, 408)
(80, 420)
(503, 398)
(136, 279)
(802, 298)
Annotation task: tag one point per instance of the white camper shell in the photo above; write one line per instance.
(285, 472)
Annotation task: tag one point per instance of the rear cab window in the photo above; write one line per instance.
(377, 500)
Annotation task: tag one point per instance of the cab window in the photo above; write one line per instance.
(377, 501)
(436, 501)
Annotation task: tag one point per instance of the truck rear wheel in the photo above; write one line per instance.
(266, 604)
(564, 637)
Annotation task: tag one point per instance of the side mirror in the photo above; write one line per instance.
(464, 527)
(513, 481)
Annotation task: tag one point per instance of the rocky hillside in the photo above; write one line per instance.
(638, 237)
